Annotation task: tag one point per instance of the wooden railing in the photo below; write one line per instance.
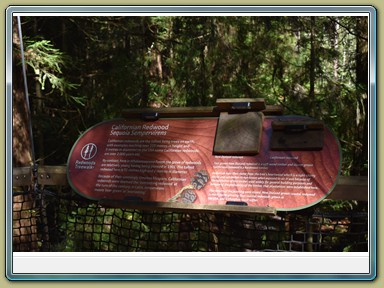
(347, 187)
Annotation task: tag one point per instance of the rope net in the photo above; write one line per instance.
(64, 221)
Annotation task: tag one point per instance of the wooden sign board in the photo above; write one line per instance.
(170, 163)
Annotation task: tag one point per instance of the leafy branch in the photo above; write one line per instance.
(48, 63)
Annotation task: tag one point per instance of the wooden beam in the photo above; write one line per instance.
(184, 112)
(21, 176)
(46, 175)
(52, 175)
(351, 188)
(182, 207)
(347, 188)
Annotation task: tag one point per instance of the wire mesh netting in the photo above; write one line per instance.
(60, 220)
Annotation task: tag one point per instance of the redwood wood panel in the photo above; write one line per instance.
(238, 134)
(311, 125)
(297, 135)
(306, 140)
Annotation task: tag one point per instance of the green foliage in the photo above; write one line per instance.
(338, 205)
(123, 62)
(310, 66)
(94, 228)
(48, 63)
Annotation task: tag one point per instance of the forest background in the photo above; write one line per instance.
(83, 70)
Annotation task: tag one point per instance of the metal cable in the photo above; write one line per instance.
(24, 68)
(26, 93)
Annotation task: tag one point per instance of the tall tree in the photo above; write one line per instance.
(304, 63)
(24, 222)
(21, 138)
(312, 62)
(362, 117)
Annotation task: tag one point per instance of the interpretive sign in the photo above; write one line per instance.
(172, 160)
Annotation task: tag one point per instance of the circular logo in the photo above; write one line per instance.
(88, 151)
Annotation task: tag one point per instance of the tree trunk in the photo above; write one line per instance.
(361, 154)
(335, 46)
(312, 65)
(24, 221)
(21, 141)
(145, 75)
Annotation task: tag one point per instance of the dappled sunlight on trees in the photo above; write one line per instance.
(97, 66)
